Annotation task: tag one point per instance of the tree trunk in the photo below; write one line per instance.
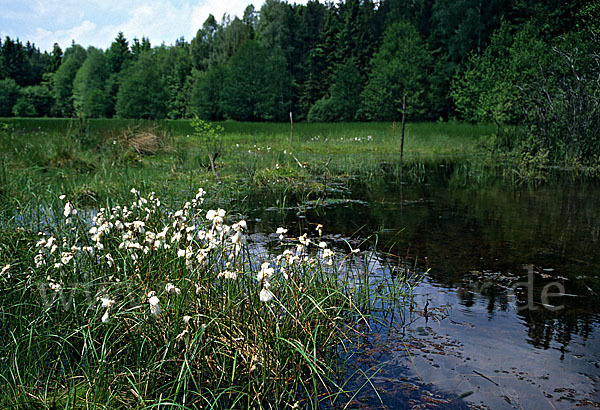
(211, 158)
(291, 129)
(403, 124)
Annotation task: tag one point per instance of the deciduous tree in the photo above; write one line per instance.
(398, 71)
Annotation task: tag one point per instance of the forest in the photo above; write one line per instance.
(530, 63)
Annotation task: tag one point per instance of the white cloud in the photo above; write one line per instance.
(84, 33)
(45, 22)
(159, 22)
(218, 8)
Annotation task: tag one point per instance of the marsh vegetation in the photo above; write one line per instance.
(117, 295)
(318, 275)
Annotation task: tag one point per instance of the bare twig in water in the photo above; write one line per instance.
(485, 377)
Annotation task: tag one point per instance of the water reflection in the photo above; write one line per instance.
(497, 255)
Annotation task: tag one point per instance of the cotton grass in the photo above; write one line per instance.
(142, 305)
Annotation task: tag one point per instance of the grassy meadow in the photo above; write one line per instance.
(100, 160)
(128, 280)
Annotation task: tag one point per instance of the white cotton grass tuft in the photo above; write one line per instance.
(281, 231)
(105, 316)
(66, 257)
(172, 289)
(69, 210)
(319, 229)
(216, 216)
(108, 304)
(39, 260)
(57, 287)
(231, 275)
(303, 239)
(240, 226)
(146, 247)
(265, 272)
(265, 295)
(109, 260)
(154, 305)
(237, 238)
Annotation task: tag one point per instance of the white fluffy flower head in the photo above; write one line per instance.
(265, 272)
(154, 305)
(171, 289)
(281, 231)
(265, 295)
(107, 302)
(213, 215)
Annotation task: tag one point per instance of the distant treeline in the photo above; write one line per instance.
(354, 60)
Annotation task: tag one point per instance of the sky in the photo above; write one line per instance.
(97, 23)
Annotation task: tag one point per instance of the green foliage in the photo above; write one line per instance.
(257, 85)
(202, 44)
(111, 89)
(206, 93)
(551, 18)
(97, 104)
(175, 65)
(9, 92)
(491, 88)
(14, 63)
(206, 132)
(89, 96)
(308, 64)
(438, 102)
(56, 55)
(31, 146)
(221, 325)
(322, 111)
(463, 26)
(398, 70)
(274, 30)
(588, 16)
(140, 47)
(24, 108)
(39, 97)
(63, 80)
(561, 106)
(142, 92)
(355, 34)
(216, 43)
(489, 61)
(344, 100)
(118, 54)
(277, 100)
(551, 89)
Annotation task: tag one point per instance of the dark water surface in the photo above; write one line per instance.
(487, 329)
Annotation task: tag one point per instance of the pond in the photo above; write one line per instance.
(508, 312)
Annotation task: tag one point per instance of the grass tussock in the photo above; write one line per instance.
(141, 140)
(144, 306)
